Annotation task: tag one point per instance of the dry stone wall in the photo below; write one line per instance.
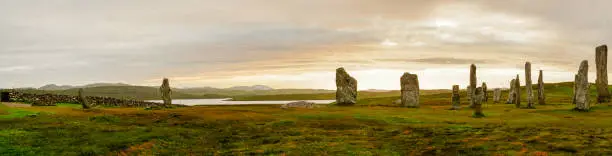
(52, 99)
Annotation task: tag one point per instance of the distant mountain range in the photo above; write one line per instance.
(54, 87)
(66, 87)
(255, 87)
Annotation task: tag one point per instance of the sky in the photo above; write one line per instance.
(296, 43)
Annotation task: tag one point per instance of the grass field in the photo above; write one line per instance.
(370, 128)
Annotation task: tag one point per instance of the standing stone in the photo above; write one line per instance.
(472, 83)
(346, 88)
(477, 99)
(601, 58)
(528, 87)
(410, 90)
(83, 99)
(511, 92)
(455, 98)
(517, 92)
(496, 95)
(166, 92)
(582, 87)
(469, 93)
(541, 96)
(484, 91)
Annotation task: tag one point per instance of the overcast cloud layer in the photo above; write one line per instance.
(295, 43)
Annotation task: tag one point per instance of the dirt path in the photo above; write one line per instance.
(11, 104)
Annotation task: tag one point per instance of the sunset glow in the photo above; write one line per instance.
(285, 44)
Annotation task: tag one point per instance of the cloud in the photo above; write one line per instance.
(15, 68)
(205, 42)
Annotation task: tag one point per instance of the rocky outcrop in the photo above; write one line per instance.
(455, 98)
(496, 95)
(477, 100)
(541, 96)
(299, 104)
(346, 88)
(601, 62)
(410, 90)
(83, 99)
(511, 92)
(528, 87)
(517, 92)
(166, 92)
(582, 87)
(472, 83)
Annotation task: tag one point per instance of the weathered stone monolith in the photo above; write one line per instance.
(528, 87)
(468, 93)
(410, 90)
(477, 99)
(83, 99)
(582, 87)
(601, 62)
(472, 83)
(455, 98)
(346, 88)
(541, 96)
(484, 91)
(496, 95)
(166, 92)
(511, 92)
(517, 92)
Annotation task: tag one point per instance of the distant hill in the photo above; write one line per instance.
(55, 87)
(251, 88)
(376, 90)
(66, 87)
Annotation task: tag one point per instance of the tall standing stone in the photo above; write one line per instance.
(469, 93)
(582, 87)
(528, 87)
(477, 99)
(455, 98)
(601, 58)
(166, 92)
(83, 99)
(472, 83)
(484, 91)
(496, 95)
(410, 90)
(346, 88)
(517, 92)
(541, 96)
(511, 92)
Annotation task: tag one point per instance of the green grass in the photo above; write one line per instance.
(370, 128)
(10, 113)
(69, 105)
